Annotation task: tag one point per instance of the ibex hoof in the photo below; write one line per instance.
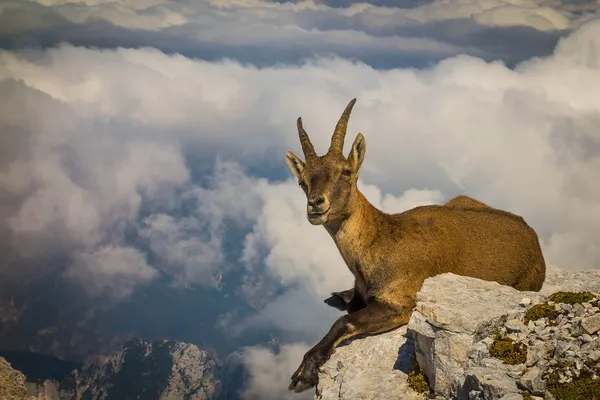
(336, 301)
(299, 387)
(305, 377)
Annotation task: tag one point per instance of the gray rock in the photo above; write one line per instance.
(561, 347)
(12, 382)
(445, 325)
(594, 355)
(515, 325)
(591, 324)
(374, 367)
(453, 326)
(525, 301)
(532, 380)
(512, 396)
(579, 310)
(591, 346)
(586, 338)
(561, 280)
(486, 384)
(536, 352)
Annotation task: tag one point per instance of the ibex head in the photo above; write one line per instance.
(329, 181)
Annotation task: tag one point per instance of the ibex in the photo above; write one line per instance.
(390, 255)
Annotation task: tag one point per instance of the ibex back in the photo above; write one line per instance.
(390, 255)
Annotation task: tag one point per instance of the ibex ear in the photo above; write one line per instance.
(357, 153)
(294, 163)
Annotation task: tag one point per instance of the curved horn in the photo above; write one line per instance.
(337, 140)
(307, 147)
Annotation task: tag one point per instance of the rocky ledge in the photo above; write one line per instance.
(12, 382)
(472, 339)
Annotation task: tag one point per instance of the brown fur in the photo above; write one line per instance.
(390, 255)
(466, 202)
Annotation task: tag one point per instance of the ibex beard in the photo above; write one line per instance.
(390, 255)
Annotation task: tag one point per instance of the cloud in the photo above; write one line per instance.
(270, 372)
(104, 143)
(115, 269)
(382, 34)
(70, 185)
(183, 255)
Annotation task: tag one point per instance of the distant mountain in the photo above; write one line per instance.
(142, 370)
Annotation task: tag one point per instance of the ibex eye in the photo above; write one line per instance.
(301, 183)
(347, 172)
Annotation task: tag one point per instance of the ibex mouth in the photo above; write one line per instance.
(317, 218)
(317, 213)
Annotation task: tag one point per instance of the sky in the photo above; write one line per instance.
(147, 138)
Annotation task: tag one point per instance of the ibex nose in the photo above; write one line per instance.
(316, 201)
(317, 205)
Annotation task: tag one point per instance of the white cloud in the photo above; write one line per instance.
(117, 270)
(160, 14)
(540, 18)
(521, 139)
(183, 255)
(269, 32)
(270, 372)
(543, 16)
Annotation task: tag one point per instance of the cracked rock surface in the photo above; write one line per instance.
(370, 368)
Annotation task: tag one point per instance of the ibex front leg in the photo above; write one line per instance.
(376, 317)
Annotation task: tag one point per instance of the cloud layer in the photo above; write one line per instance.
(382, 34)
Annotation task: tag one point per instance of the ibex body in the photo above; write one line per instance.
(390, 255)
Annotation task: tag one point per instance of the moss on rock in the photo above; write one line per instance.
(507, 350)
(543, 310)
(529, 396)
(571, 297)
(583, 387)
(417, 379)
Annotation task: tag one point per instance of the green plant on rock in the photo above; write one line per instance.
(526, 395)
(529, 395)
(542, 310)
(417, 379)
(571, 297)
(583, 387)
(507, 350)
